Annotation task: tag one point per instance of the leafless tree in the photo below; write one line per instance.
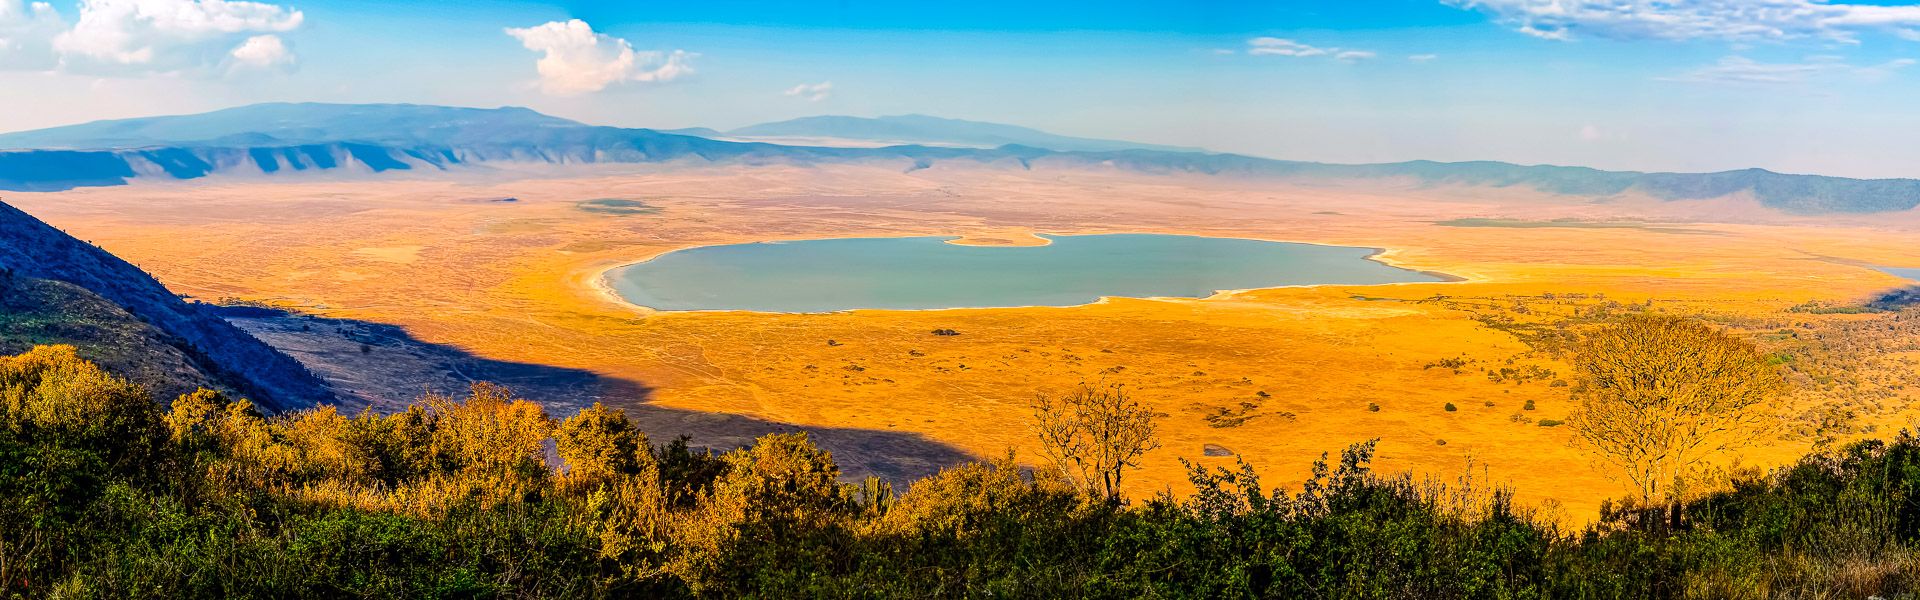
(1093, 435)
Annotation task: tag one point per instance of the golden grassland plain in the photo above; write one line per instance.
(509, 269)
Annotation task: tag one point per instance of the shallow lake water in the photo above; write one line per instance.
(928, 273)
(1909, 273)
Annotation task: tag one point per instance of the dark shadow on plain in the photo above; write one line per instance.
(1897, 299)
(382, 366)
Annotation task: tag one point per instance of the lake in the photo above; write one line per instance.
(1909, 273)
(928, 273)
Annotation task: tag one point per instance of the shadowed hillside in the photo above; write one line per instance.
(31, 249)
(41, 311)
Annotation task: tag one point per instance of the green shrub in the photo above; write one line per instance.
(1451, 407)
(103, 496)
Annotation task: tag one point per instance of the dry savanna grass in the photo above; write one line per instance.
(1275, 376)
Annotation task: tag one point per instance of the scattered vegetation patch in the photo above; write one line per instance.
(1520, 375)
(1456, 364)
(1822, 307)
(1224, 417)
(617, 206)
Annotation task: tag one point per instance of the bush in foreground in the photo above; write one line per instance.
(104, 494)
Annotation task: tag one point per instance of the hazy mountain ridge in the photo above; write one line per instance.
(923, 129)
(32, 249)
(290, 124)
(380, 138)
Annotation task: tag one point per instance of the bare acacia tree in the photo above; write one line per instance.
(1093, 435)
(1659, 395)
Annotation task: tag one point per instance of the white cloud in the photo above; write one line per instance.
(26, 34)
(166, 35)
(124, 37)
(811, 92)
(1423, 58)
(263, 52)
(1272, 46)
(1730, 20)
(576, 60)
(1740, 70)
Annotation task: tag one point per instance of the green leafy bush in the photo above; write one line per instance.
(105, 494)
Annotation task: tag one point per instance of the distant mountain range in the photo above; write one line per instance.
(374, 138)
(114, 312)
(265, 125)
(933, 131)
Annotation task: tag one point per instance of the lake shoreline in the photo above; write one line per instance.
(601, 281)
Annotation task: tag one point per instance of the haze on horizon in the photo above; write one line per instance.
(1803, 86)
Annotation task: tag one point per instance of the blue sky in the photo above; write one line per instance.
(1690, 85)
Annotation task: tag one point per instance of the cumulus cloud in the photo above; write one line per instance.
(263, 52)
(1273, 46)
(1740, 70)
(1730, 20)
(143, 36)
(26, 34)
(811, 92)
(166, 35)
(576, 60)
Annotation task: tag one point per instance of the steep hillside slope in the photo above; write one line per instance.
(37, 312)
(33, 250)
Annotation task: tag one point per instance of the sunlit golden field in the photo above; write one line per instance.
(1275, 376)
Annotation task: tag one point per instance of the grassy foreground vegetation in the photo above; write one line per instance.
(104, 493)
